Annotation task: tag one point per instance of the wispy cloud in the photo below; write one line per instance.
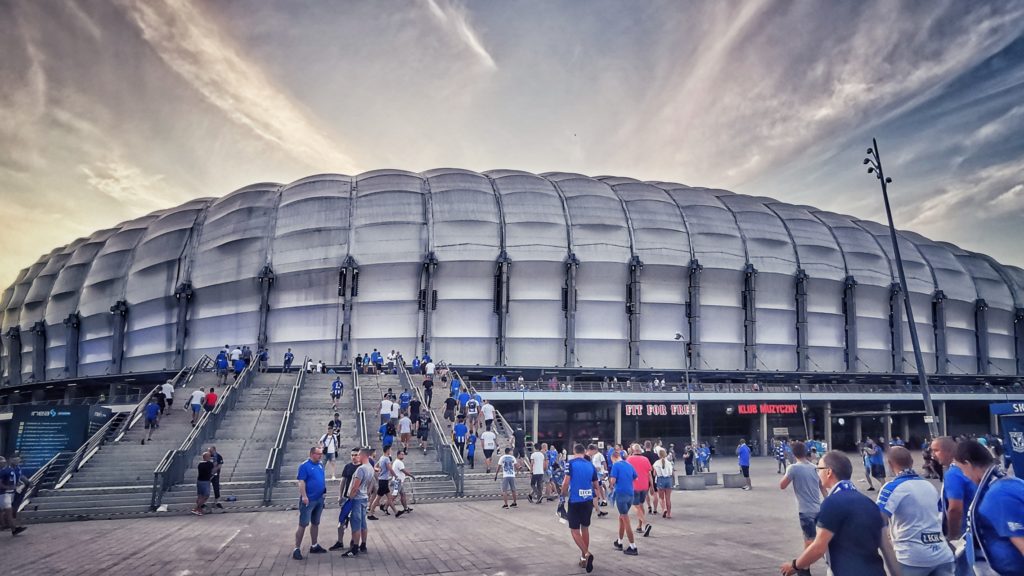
(189, 42)
(23, 103)
(126, 183)
(455, 20)
(995, 190)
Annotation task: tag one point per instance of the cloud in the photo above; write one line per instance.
(454, 18)
(997, 190)
(23, 104)
(128, 184)
(191, 45)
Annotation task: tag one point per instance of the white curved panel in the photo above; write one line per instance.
(535, 227)
(819, 253)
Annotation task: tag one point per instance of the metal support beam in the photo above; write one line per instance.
(120, 313)
(266, 280)
(633, 310)
(896, 327)
(348, 289)
(850, 322)
(828, 426)
(428, 299)
(39, 351)
(943, 424)
(1018, 338)
(535, 429)
(888, 422)
(939, 325)
(14, 355)
(750, 318)
(73, 325)
(501, 300)
(802, 350)
(618, 422)
(572, 264)
(693, 316)
(183, 296)
(981, 335)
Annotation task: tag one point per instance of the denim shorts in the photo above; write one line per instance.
(808, 525)
(623, 502)
(311, 512)
(664, 482)
(639, 497)
(357, 520)
(203, 488)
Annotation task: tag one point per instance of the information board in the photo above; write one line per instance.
(40, 432)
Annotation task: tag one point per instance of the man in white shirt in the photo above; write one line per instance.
(168, 390)
(405, 431)
(329, 444)
(196, 402)
(597, 459)
(385, 410)
(399, 474)
(488, 410)
(507, 465)
(430, 368)
(490, 442)
(538, 461)
(236, 353)
(908, 502)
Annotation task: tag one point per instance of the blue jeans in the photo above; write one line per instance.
(357, 520)
(940, 570)
(311, 512)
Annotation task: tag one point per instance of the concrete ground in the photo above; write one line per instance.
(714, 532)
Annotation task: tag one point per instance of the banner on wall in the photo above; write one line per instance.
(1011, 423)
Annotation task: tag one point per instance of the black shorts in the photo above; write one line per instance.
(579, 514)
(745, 470)
(878, 471)
(382, 487)
(488, 453)
(520, 452)
(335, 396)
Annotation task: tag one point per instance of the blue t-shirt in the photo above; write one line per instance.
(239, 365)
(582, 475)
(460, 432)
(624, 474)
(288, 357)
(8, 477)
(463, 398)
(222, 362)
(957, 486)
(876, 458)
(403, 400)
(471, 446)
(1000, 516)
(313, 475)
(152, 411)
(743, 454)
(456, 385)
(336, 387)
(552, 456)
(856, 528)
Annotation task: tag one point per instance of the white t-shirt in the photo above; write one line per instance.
(471, 407)
(405, 425)
(385, 406)
(663, 468)
(539, 460)
(197, 397)
(398, 468)
(507, 463)
(394, 409)
(490, 440)
(430, 368)
(236, 354)
(598, 461)
(915, 524)
(488, 410)
(330, 443)
(310, 367)
(168, 390)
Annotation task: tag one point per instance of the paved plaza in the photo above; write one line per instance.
(714, 532)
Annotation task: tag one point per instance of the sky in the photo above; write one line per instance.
(110, 109)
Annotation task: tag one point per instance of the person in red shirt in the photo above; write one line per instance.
(641, 485)
(211, 400)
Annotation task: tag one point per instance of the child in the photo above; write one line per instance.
(471, 448)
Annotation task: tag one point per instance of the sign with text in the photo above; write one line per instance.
(747, 409)
(40, 432)
(658, 409)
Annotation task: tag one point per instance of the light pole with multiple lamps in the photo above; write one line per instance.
(874, 162)
(689, 398)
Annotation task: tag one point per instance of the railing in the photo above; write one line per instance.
(502, 427)
(736, 387)
(171, 469)
(35, 479)
(276, 456)
(364, 437)
(108, 430)
(451, 461)
(179, 380)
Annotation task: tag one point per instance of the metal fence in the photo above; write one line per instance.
(451, 461)
(274, 460)
(735, 387)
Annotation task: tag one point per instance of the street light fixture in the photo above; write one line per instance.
(689, 399)
(874, 161)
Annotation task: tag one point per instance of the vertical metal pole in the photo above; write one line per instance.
(922, 376)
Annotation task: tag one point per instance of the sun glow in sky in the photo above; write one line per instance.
(111, 110)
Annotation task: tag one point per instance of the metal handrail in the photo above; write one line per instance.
(35, 479)
(136, 414)
(364, 437)
(452, 463)
(276, 455)
(171, 469)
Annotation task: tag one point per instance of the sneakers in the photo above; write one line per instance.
(504, 506)
(399, 513)
(197, 512)
(337, 546)
(530, 498)
(631, 551)
(351, 552)
(514, 505)
(590, 563)
(362, 547)
(647, 531)
(617, 545)
(746, 488)
(602, 514)
(218, 505)
(372, 517)
(317, 549)
(297, 554)
(18, 530)
(872, 489)
(143, 441)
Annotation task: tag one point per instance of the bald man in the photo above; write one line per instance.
(957, 489)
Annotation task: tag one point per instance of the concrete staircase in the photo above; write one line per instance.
(118, 479)
(244, 440)
(309, 423)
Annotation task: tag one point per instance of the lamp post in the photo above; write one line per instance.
(689, 398)
(874, 161)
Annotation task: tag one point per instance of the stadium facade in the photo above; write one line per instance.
(508, 268)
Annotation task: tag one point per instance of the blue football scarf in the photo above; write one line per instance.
(974, 536)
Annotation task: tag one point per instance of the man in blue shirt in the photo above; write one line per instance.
(459, 435)
(957, 489)
(312, 488)
(337, 388)
(580, 485)
(288, 358)
(404, 399)
(620, 480)
(876, 459)
(416, 365)
(996, 519)
(849, 526)
(152, 412)
(743, 456)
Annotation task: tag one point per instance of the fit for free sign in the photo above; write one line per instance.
(658, 409)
